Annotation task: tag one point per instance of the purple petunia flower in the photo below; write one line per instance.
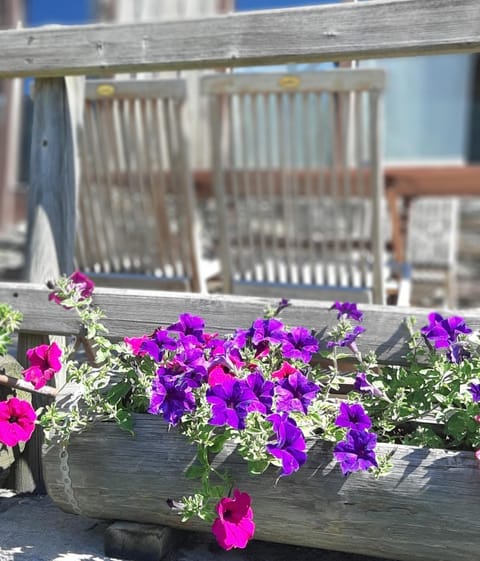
(231, 402)
(348, 310)
(171, 396)
(158, 343)
(362, 385)
(295, 393)
(475, 391)
(263, 390)
(348, 340)
(299, 344)
(444, 332)
(267, 330)
(189, 325)
(353, 416)
(356, 452)
(282, 304)
(290, 446)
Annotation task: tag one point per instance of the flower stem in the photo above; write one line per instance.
(22, 385)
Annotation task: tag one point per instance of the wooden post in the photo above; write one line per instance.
(11, 128)
(54, 176)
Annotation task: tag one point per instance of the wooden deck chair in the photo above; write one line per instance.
(136, 223)
(299, 183)
(432, 246)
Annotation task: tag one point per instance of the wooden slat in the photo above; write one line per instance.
(131, 313)
(275, 82)
(146, 89)
(378, 244)
(325, 33)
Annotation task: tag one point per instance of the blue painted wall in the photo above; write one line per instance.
(42, 12)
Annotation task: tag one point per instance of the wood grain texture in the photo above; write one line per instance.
(426, 509)
(133, 313)
(54, 179)
(374, 29)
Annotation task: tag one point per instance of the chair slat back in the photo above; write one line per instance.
(297, 174)
(136, 207)
(432, 245)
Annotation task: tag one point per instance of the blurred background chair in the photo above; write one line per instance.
(299, 186)
(136, 224)
(432, 248)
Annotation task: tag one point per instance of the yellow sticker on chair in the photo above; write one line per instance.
(289, 82)
(105, 90)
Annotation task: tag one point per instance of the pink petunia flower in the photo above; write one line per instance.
(234, 526)
(45, 363)
(477, 454)
(285, 370)
(218, 375)
(135, 344)
(82, 284)
(17, 421)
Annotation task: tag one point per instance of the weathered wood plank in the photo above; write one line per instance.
(426, 509)
(132, 313)
(372, 29)
(54, 179)
(331, 81)
(147, 89)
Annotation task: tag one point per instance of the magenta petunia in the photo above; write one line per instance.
(285, 370)
(218, 375)
(17, 421)
(234, 527)
(82, 285)
(45, 363)
(135, 344)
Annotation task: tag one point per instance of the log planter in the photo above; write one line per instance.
(426, 508)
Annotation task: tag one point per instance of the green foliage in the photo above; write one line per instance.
(10, 320)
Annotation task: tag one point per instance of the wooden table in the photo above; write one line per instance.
(403, 184)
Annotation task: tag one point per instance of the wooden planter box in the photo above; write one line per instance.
(427, 508)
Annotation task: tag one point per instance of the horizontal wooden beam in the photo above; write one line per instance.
(133, 313)
(370, 29)
(269, 182)
(434, 181)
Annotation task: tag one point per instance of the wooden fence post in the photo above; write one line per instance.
(54, 178)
